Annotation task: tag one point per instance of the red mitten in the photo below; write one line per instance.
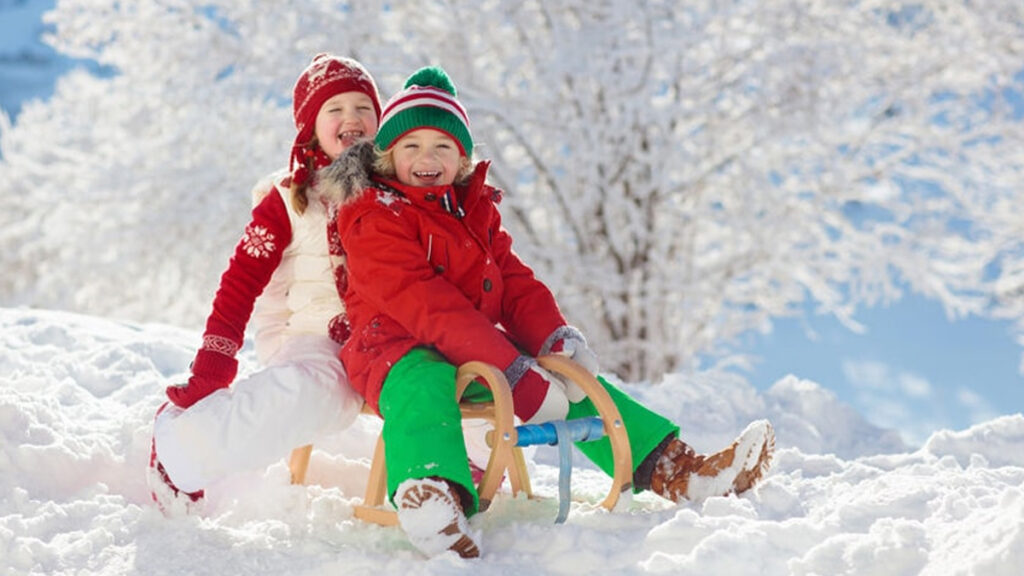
(211, 371)
(537, 396)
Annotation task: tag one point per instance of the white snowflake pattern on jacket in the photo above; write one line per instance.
(258, 242)
(282, 275)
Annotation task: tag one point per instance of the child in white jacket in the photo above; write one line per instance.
(289, 258)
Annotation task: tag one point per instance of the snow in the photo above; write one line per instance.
(78, 394)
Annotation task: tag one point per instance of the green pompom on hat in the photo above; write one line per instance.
(427, 101)
(432, 76)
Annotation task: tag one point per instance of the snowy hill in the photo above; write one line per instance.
(77, 395)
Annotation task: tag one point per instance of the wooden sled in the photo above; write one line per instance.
(506, 459)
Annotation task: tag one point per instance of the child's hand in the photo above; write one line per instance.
(211, 371)
(185, 395)
(576, 348)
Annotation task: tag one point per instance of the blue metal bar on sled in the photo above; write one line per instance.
(580, 430)
(562, 433)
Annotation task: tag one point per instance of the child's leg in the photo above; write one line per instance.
(423, 425)
(645, 429)
(668, 466)
(259, 419)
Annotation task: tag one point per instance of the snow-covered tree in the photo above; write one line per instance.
(125, 193)
(679, 172)
(687, 171)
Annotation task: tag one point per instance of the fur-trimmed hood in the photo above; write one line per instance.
(344, 179)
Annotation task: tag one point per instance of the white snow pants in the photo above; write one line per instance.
(302, 395)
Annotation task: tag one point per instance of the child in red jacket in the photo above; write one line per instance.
(433, 283)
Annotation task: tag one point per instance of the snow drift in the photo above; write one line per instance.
(77, 395)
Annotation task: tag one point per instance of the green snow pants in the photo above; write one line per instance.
(423, 425)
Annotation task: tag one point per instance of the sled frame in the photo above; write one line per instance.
(506, 459)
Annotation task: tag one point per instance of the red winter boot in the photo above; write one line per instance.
(680, 473)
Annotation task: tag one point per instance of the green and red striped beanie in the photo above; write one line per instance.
(428, 100)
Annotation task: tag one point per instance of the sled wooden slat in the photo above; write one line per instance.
(298, 463)
(503, 453)
(376, 490)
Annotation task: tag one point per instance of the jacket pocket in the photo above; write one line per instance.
(437, 253)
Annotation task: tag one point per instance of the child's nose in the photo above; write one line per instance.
(350, 115)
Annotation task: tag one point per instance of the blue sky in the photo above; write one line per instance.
(913, 370)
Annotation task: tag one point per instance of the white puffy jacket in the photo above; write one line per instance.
(301, 297)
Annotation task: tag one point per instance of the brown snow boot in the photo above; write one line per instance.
(680, 473)
(430, 512)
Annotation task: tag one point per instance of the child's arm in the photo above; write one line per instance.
(256, 257)
(530, 313)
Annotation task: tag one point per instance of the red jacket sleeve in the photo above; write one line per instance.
(389, 269)
(256, 257)
(529, 311)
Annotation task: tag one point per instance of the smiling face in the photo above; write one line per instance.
(426, 157)
(342, 120)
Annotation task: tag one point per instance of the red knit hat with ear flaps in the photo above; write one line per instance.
(325, 77)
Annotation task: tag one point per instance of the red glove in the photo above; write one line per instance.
(537, 396)
(211, 371)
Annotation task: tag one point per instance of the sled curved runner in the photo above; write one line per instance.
(506, 457)
(614, 427)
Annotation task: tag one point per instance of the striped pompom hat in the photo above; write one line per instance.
(428, 100)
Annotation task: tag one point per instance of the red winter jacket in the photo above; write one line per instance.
(418, 275)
